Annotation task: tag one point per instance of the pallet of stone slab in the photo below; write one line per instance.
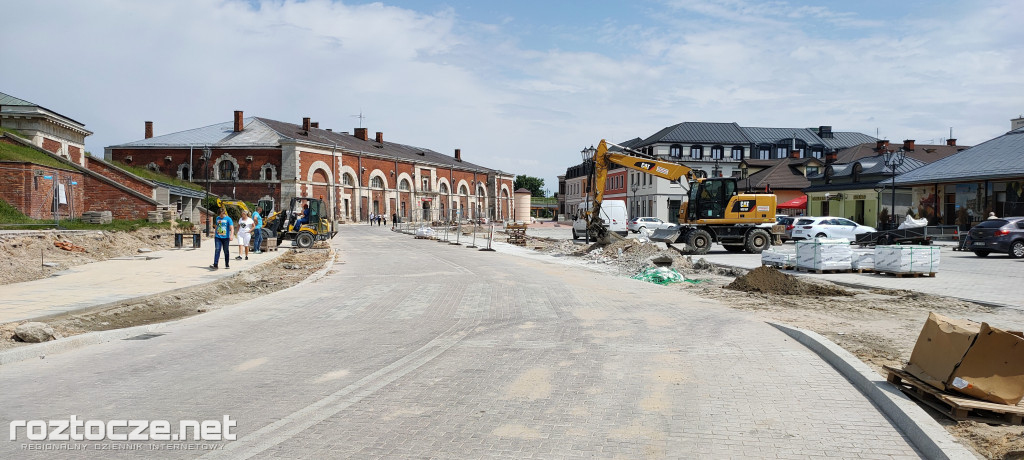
(904, 274)
(956, 407)
(824, 254)
(97, 217)
(907, 259)
(154, 217)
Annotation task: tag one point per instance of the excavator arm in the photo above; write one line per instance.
(603, 159)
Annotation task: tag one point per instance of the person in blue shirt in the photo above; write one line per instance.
(305, 217)
(223, 228)
(257, 236)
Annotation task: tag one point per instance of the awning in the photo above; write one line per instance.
(795, 203)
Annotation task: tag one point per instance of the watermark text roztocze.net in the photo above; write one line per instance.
(74, 429)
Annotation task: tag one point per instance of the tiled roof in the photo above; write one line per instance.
(7, 100)
(772, 135)
(264, 132)
(999, 158)
(923, 153)
(783, 175)
(700, 132)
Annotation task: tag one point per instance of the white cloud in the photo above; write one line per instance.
(439, 80)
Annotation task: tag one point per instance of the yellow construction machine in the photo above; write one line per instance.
(715, 209)
(294, 223)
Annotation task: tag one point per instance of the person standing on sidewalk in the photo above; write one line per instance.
(245, 225)
(257, 235)
(224, 227)
(371, 218)
(394, 219)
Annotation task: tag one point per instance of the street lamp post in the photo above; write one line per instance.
(207, 154)
(632, 205)
(893, 160)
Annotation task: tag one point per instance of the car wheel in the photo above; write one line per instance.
(574, 235)
(821, 235)
(1017, 249)
(641, 229)
(304, 240)
(982, 253)
(699, 240)
(757, 241)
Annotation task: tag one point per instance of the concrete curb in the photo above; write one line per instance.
(930, 438)
(40, 350)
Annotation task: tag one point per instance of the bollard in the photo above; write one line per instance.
(490, 237)
(474, 238)
(458, 234)
(179, 240)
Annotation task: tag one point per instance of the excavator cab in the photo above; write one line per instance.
(709, 198)
(290, 225)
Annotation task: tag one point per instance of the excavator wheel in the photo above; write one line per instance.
(699, 241)
(758, 240)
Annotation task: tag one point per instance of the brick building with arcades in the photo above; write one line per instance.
(255, 159)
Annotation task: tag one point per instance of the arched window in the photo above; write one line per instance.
(226, 170)
(463, 190)
(697, 151)
(737, 152)
(675, 151)
(376, 182)
(346, 179)
(856, 172)
(442, 188)
(717, 152)
(268, 172)
(403, 185)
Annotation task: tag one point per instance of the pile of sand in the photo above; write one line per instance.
(767, 280)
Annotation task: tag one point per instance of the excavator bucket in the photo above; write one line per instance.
(667, 235)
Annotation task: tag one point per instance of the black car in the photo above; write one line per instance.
(1004, 235)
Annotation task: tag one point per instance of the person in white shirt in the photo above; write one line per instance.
(245, 226)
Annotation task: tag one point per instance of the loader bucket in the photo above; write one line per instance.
(667, 235)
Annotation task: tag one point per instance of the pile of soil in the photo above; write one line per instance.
(27, 256)
(283, 272)
(767, 280)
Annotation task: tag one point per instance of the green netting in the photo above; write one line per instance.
(663, 275)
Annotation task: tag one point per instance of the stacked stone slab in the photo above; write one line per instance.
(907, 259)
(97, 217)
(824, 254)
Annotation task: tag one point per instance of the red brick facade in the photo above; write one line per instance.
(128, 180)
(26, 187)
(51, 145)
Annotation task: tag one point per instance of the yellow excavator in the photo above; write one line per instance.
(715, 211)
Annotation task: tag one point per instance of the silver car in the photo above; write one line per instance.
(650, 223)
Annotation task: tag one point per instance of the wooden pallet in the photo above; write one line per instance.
(779, 266)
(907, 275)
(516, 234)
(812, 270)
(956, 407)
(864, 270)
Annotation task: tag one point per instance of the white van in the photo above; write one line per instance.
(615, 218)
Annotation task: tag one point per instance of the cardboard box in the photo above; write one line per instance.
(970, 358)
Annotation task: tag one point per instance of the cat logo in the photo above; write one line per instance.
(644, 165)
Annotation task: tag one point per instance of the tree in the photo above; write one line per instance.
(534, 184)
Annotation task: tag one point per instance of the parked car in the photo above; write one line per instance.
(788, 222)
(650, 223)
(1004, 235)
(828, 227)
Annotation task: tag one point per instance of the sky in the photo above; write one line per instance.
(521, 86)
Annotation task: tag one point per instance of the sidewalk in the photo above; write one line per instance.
(113, 280)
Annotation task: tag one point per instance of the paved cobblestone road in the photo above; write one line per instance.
(416, 349)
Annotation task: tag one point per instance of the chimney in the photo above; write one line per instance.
(380, 137)
(951, 142)
(305, 124)
(908, 144)
(825, 132)
(882, 146)
(794, 154)
(149, 129)
(315, 124)
(360, 133)
(831, 157)
(458, 154)
(238, 121)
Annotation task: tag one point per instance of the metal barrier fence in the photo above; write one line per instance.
(468, 234)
